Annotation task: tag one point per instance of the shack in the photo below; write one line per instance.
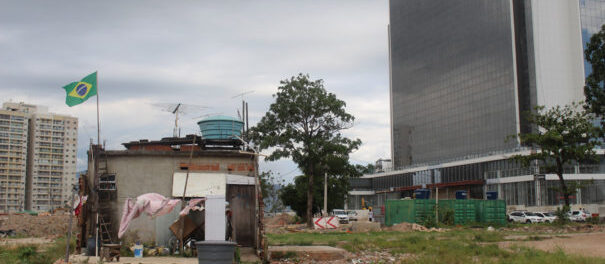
(161, 167)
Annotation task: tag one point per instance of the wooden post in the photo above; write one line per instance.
(71, 211)
(184, 192)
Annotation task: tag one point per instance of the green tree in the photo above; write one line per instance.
(295, 195)
(595, 81)
(368, 169)
(565, 135)
(305, 123)
(270, 186)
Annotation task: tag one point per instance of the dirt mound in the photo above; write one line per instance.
(279, 220)
(365, 227)
(50, 226)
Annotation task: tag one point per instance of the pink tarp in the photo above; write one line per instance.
(153, 205)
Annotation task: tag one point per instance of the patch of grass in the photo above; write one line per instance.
(536, 238)
(33, 254)
(481, 236)
(460, 245)
(529, 255)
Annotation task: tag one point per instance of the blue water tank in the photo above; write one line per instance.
(422, 193)
(461, 195)
(491, 195)
(221, 127)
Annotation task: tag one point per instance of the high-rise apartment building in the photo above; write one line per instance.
(49, 156)
(13, 156)
(463, 72)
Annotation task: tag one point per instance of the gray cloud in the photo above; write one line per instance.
(195, 52)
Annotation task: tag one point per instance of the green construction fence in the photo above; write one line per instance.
(465, 211)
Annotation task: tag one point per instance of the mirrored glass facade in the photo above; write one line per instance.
(592, 17)
(453, 81)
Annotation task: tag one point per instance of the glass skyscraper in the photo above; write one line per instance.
(464, 72)
(592, 17)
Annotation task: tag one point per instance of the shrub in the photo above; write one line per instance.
(446, 216)
(562, 217)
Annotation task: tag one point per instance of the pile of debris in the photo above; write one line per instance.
(50, 226)
(407, 227)
(282, 219)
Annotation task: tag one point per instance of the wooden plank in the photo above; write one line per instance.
(188, 228)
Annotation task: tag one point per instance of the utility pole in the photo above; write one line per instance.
(325, 193)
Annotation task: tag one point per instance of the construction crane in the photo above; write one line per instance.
(179, 109)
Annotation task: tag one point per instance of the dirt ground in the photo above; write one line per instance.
(131, 260)
(48, 226)
(24, 241)
(585, 244)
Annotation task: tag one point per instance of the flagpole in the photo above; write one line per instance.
(98, 123)
(96, 169)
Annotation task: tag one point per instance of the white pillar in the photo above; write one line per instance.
(215, 226)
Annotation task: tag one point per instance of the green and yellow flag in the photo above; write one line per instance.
(78, 92)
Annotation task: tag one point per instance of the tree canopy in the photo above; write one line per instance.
(270, 188)
(295, 195)
(305, 123)
(564, 135)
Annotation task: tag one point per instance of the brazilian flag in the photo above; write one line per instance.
(78, 92)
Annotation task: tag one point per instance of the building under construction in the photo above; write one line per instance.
(114, 176)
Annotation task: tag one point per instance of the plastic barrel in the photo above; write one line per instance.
(491, 195)
(461, 195)
(422, 193)
(91, 247)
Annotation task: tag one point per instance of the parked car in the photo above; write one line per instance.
(579, 215)
(342, 215)
(352, 215)
(524, 217)
(547, 217)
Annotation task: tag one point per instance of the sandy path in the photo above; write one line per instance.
(586, 244)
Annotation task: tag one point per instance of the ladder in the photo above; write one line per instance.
(105, 229)
(106, 190)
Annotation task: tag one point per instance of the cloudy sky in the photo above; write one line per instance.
(196, 52)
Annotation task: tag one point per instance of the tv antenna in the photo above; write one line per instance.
(244, 114)
(179, 109)
(208, 115)
(242, 94)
